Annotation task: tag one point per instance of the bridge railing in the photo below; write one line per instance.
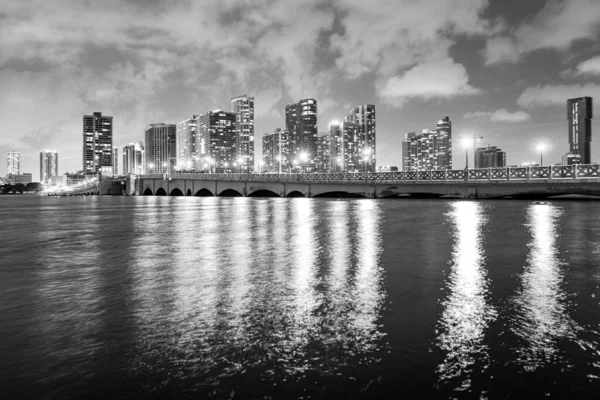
(558, 172)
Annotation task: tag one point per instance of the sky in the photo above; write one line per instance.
(500, 69)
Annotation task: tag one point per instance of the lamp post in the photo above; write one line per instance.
(261, 163)
(303, 159)
(366, 153)
(466, 142)
(151, 166)
(339, 163)
(541, 149)
(279, 163)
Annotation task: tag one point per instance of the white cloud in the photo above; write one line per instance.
(500, 49)
(478, 114)
(591, 66)
(500, 115)
(548, 95)
(441, 79)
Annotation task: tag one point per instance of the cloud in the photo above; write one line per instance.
(556, 26)
(433, 80)
(500, 115)
(591, 66)
(548, 95)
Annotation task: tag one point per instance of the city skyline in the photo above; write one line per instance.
(498, 69)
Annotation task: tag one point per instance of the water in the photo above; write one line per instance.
(137, 297)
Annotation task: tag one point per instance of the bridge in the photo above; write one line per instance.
(91, 187)
(516, 182)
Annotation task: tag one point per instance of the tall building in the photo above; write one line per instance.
(275, 151)
(97, 142)
(133, 159)
(490, 157)
(115, 163)
(13, 163)
(301, 123)
(336, 147)
(48, 165)
(217, 141)
(186, 143)
(243, 107)
(323, 152)
(579, 117)
(160, 145)
(419, 151)
(360, 144)
(444, 150)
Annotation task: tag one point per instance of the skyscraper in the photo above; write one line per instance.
(243, 107)
(420, 151)
(186, 143)
(217, 140)
(301, 123)
(336, 147)
(97, 142)
(133, 158)
(48, 165)
(275, 151)
(13, 161)
(360, 139)
(579, 117)
(160, 145)
(323, 152)
(444, 141)
(115, 163)
(490, 157)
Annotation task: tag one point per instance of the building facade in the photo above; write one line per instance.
(275, 146)
(571, 159)
(23, 178)
(360, 146)
(490, 157)
(48, 165)
(160, 145)
(243, 107)
(301, 124)
(97, 142)
(13, 163)
(336, 147)
(579, 117)
(419, 151)
(444, 140)
(323, 162)
(187, 155)
(115, 163)
(217, 141)
(133, 159)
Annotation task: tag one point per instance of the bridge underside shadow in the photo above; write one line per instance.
(176, 192)
(263, 193)
(161, 192)
(204, 193)
(230, 193)
(414, 196)
(295, 193)
(147, 192)
(339, 195)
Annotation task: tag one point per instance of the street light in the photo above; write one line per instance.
(261, 163)
(151, 166)
(339, 161)
(366, 153)
(466, 142)
(541, 148)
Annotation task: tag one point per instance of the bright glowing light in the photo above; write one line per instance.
(205, 166)
(541, 147)
(334, 123)
(296, 162)
(466, 142)
(367, 151)
(339, 160)
(278, 158)
(303, 156)
(151, 165)
(165, 165)
(226, 164)
(240, 160)
(262, 162)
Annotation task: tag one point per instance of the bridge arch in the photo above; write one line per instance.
(147, 192)
(204, 193)
(230, 193)
(176, 192)
(188, 192)
(339, 195)
(295, 193)
(263, 193)
(160, 192)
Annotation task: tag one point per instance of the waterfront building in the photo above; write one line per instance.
(275, 151)
(186, 143)
(115, 163)
(444, 141)
(243, 107)
(360, 139)
(133, 159)
(323, 161)
(23, 178)
(97, 142)
(336, 147)
(48, 165)
(301, 124)
(217, 141)
(571, 159)
(160, 145)
(490, 157)
(579, 117)
(13, 163)
(431, 150)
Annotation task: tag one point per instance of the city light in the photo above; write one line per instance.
(303, 156)
(466, 142)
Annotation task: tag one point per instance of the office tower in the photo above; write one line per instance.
(48, 165)
(579, 116)
(186, 143)
(243, 107)
(97, 142)
(336, 147)
(115, 163)
(360, 139)
(133, 159)
(323, 152)
(444, 140)
(275, 151)
(419, 152)
(160, 145)
(490, 157)
(217, 141)
(301, 124)
(13, 163)
(407, 159)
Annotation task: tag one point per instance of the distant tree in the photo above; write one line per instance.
(33, 187)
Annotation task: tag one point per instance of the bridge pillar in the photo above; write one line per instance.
(550, 174)
(574, 171)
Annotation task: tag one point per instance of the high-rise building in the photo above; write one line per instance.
(301, 123)
(275, 151)
(133, 159)
(97, 142)
(490, 157)
(48, 165)
(186, 143)
(323, 152)
(444, 140)
(360, 139)
(579, 117)
(419, 151)
(160, 145)
(13, 163)
(217, 141)
(243, 107)
(336, 147)
(115, 163)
